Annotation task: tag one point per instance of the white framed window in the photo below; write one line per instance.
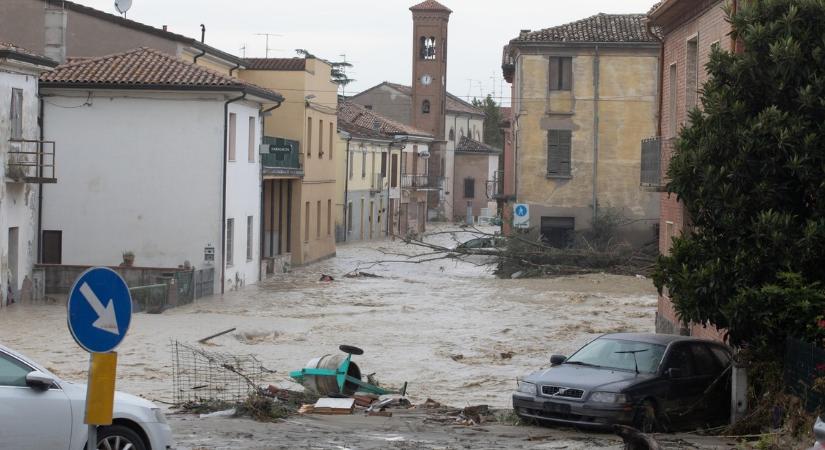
(230, 242)
(249, 234)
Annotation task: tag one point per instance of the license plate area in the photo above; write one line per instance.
(561, 408)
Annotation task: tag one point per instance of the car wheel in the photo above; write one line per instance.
(118, 437)
(647, 417)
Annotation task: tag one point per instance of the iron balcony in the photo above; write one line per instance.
(416, 182)
(654, 151)
(31, 161)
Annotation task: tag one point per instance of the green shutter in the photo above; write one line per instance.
(558, 152)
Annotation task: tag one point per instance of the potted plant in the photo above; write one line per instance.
(128, 259)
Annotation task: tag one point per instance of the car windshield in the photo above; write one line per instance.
(619, 354)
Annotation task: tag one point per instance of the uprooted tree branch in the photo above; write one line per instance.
(521, 255)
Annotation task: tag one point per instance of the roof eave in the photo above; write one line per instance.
(249, 90)
(582, 44)
(26, 58)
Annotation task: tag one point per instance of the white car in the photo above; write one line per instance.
(39, 411)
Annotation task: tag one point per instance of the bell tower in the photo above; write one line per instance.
(429, 83)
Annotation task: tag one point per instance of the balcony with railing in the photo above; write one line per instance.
(378, 183)
(653, 153)
(281, 158)
(417, 182)
(31, 161)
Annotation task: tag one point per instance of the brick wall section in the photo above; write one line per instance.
(710, 27)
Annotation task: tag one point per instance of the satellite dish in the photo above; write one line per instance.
(123, 5)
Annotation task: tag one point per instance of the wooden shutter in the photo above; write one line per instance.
(554, 73)
(566, 71)
(469, 188)
(558, 152)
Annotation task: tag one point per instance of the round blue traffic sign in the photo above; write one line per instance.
(521, 210)
(99, 310)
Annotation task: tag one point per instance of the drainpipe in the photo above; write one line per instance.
(661, 69)
(238, 66)
(387, 209)
(40, 120)
(596, 82)
(346, 190)
(203, 38)
(223, 187)
(261, 114)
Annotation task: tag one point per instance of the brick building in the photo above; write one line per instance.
(690, 29)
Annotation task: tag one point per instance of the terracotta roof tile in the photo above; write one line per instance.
(430, 5)
(292, 64)
(454, 104)
(146, 68)
(467, 145)
(357, 115)
(624, 28)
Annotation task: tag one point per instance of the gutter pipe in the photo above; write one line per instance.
(223, 187)
(596, 99)
(203, 51)
(661, 69)
(346, 189)
(41, 120)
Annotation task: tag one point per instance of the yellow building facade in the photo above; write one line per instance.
(584, 95)
(299, 203)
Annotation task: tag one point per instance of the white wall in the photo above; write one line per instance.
(243, 198)
(18, 201)
(137, 172)
(459, 124)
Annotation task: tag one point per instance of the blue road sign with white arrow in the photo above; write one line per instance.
(100, 310)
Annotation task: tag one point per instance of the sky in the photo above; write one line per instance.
(375, 35)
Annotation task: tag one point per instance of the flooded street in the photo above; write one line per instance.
(451, 329)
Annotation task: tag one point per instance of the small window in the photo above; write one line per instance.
(16, 114)
(363, 162)
(561, 73)
(452, 134)
(249, 235)
(383, 164)
(306, 223)
(692, 74)
(425, 107)
(558, 232)
(559, 143)
(230, 241)
(233, 124)
(320, 138)
(331, 137)
(251, 139)
(427, 47)
(318, 221)
(469, 188)
(309, 137)
(329, 217)
(349, 217)
(350, 156)
(13, 372)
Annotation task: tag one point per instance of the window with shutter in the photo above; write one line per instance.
(469, 188)
(17, 114)
(561, 73)
(559, 143)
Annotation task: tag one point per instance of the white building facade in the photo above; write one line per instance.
(22, 174)
(171, 175)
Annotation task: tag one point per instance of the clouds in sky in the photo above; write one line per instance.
(375, 35)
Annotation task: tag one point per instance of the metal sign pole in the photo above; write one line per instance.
(91, 438)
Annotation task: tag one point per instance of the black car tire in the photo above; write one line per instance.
(125, 433)
(647, 417)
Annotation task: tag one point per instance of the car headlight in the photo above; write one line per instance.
(527, 388)
(159, 416)
(608, 397)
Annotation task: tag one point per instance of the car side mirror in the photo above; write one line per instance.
(39, 380)
(674, 373)
(557, 360)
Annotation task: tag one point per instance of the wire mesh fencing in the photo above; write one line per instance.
(201, 376)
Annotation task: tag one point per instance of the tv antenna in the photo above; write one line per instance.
(122, 6)
(267, 40)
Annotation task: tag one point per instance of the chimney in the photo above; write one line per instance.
(164, 28)
(55, 29)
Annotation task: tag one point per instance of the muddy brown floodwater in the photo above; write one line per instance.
(451, 329)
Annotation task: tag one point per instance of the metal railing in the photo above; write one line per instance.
(421, 182)
(651, 175)
(378, 183)
(31, 161)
